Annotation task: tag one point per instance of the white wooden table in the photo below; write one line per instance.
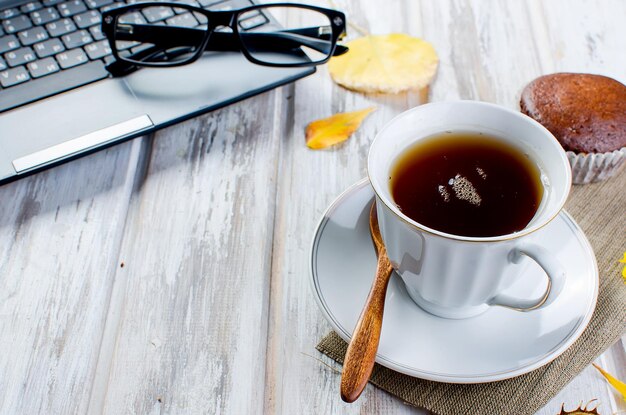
(169, 274)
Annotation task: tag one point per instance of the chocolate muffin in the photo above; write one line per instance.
(587, 114)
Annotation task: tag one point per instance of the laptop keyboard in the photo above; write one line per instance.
(51, 46)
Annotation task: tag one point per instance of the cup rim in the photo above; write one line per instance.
(380, 195)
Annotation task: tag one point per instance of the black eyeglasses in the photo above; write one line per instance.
(162, 34)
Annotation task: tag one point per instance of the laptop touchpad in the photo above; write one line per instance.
(69, 123)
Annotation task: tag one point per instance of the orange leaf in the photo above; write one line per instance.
(616, 383)
(333, 130)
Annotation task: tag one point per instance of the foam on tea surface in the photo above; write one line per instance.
(465, 190)
(467, 184)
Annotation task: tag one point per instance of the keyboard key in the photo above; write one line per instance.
(125, 44)
(87, 19)
(223, 6)
(43, 16)
(49, 3)
(8, 43)
(96, 4)
(96, 32)
(43, 67)
(19, 56)
(8, 13)
(209, 3)
(183, 20)
(48, 48)
(140, 47)
(188, 2)
(71, 58)
(76, 39)
(60, 27)
(253, 22)
(31, 7)
(70, 8)
(111, 6)
(248, 14)
(134, 18)
(33, 35)
(98, 50)
(52, 84)
(16, 24)
(1, 30)
(13, 76)
(3, 64)
(156, 14)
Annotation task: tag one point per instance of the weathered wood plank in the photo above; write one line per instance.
(60, 238)
(296, 382)
(584, 36)
(580, 36)
(191, 335)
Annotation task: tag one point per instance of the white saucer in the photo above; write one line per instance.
(498, 344)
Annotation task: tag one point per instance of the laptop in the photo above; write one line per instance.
(57, 101)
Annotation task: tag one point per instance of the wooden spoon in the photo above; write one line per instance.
(359, 360)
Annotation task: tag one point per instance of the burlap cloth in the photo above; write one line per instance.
(600, 210)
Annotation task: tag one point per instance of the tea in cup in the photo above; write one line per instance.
(461, 190)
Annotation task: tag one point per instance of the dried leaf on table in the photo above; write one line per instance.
(581, 410)
(334, 130)
(385, 63)
(616, 383)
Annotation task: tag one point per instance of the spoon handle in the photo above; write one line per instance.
(359, 360)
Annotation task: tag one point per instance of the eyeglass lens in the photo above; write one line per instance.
(294, 33)
(142, 35)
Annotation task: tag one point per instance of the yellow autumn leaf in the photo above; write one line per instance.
(623, 261)
(616, 383)
(385, 63)
(333, 130)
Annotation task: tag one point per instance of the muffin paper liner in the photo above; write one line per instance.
(595, 167)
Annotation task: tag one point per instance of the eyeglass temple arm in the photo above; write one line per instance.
(156, 34)
(275, 41)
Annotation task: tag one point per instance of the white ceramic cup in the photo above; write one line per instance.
(458, 276)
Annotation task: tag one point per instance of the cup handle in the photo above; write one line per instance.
(551, 266)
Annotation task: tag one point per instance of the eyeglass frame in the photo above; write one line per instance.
(219, 18)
